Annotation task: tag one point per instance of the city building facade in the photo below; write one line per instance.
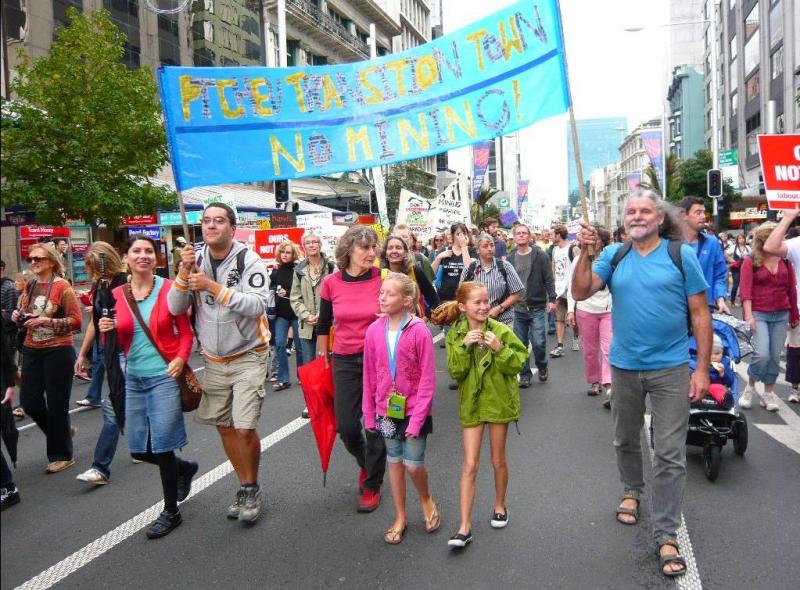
(758, 61)
(633, 157)
(685, 117)
(599, 140)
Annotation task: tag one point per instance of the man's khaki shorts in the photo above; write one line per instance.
(233, 391)
(561, 309)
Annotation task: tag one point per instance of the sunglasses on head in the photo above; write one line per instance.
(31, 259)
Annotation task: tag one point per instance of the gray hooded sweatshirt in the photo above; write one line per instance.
(234, 321)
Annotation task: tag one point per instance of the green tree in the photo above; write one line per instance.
(406, 175)
(86, 132)
(481, 209)
(651, 178)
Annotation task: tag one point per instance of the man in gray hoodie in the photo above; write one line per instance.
(228, 288)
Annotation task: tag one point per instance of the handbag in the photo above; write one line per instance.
(189, 385)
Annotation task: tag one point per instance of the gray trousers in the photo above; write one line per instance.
(669, 404)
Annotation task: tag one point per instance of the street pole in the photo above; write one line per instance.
(714, 112)
(771, 128)
(377, 171)
(282, 59)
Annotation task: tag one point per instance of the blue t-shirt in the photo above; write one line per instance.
(650, 311)
(143, 358)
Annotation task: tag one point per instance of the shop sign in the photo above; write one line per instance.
(150, 231)
(141, 220)
(174, 218)
(43, 231)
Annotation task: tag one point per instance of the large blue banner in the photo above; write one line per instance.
(242, 124)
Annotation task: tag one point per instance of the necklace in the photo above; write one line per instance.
(314, 270)
(149, 291)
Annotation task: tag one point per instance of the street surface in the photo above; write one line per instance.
(562, 533)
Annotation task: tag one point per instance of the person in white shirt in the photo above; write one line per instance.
(563, 254)
(592, 317)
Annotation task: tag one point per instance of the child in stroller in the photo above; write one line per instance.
(716, 419)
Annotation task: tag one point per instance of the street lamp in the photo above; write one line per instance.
(714, 83)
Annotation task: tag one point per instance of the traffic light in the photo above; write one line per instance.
(714, 181)
(281, 191)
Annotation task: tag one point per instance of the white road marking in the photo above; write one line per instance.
(101, 545)
(787, 434)
(691, 579)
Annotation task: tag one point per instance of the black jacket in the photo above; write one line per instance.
(540, 287)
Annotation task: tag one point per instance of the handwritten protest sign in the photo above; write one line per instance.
(427, 217)
(241, 124)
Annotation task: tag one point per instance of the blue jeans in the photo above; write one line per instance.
(531, 327)
(769, 340)
(281, 338)
(551, 321)
(106, 445)
(309, 350)
(95, 393)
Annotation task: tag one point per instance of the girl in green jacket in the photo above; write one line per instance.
(485, 357)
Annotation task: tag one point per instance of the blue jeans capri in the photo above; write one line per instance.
(410, 452)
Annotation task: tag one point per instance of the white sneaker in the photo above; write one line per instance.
(746, 399)
(576, 344)
(769, 401)
(93, 476)
(794, 397)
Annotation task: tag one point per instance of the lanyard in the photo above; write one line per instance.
(393, 353)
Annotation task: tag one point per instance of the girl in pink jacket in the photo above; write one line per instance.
(399, 383)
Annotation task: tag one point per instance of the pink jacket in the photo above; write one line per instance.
(416, 372)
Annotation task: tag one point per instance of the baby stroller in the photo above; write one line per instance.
(715, 420)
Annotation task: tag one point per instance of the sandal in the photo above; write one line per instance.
(433, 521)
(393, 536)
(281, 386)
(634, 512)
(666, 560)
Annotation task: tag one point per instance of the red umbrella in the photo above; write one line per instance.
(317, 385)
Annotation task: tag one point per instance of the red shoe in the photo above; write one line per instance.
(362, 477)
(369, 501)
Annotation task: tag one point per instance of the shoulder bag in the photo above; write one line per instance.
(191, 390)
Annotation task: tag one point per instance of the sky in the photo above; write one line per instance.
(613, 73)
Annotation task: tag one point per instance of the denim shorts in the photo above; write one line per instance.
(410, 451)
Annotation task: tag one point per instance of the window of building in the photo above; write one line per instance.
(776, 62)
(708, 91)
(252, 50)
(734, 75)
(734, 104)
(752, 129)
(734, 48)
(797, 103)
(776, 23)
(125, 14)
(169, 51)
(752, 53)
(292, 52)
(15, 18)
(752, 86)
(60, 8)
(751, 23)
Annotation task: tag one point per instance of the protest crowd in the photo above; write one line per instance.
(369, 316)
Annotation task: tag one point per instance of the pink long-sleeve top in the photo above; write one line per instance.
(172, 334)
(416, 372)
(768, 291)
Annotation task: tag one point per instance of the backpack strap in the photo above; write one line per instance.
(618, 256)
(240, 256)
(674, 249)
(470, 276)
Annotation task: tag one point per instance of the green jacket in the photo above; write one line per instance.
(304, 297)
(487, 380)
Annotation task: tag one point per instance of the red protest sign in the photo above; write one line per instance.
(264, 242)
(780, 166)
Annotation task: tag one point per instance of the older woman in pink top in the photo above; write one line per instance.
(349, 304)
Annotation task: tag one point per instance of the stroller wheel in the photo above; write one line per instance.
(712, 456)
(740, 437)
